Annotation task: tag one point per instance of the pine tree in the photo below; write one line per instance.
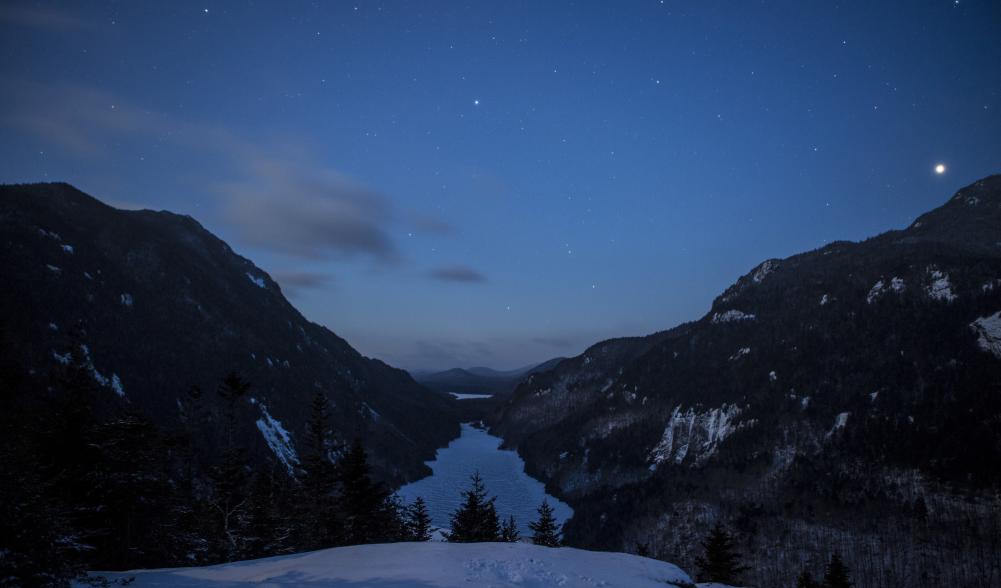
(476, 519)
(370, 513)
(545, 530)
(720, 561)
(509, 531)
(419, 521)
(836, 575)
(319, 521)
(805, 580)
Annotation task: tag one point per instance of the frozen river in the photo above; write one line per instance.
(503, 473)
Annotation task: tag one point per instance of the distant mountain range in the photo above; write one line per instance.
(160, 306)
(845, 399)
(480, 380)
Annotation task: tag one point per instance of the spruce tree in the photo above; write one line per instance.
(319, 521)
(476, 519)
(370, 513)
(545, 531)
(509, 531)
(419, 521)
(720, 561)
(836, 575)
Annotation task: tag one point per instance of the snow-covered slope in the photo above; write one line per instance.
(426, 565)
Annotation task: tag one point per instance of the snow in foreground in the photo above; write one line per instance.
(428, 565)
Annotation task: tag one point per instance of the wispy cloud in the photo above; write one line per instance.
(274, 194)
(308, 212)
(298, 281)
(457, 273)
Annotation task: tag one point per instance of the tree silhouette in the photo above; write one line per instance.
(418, 521)
(545, 531)
(836, 575)
(509, 531)
(476, 519)
(720, 561)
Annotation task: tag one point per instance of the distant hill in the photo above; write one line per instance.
(480, 380)
(844, 399)
(160, 305)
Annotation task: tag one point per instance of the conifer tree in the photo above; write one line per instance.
(419, 521)
(370, 514)
(720, 561)
(545, 530)
(509, 531)
(836, 575)
(476, 519)
(319, 520)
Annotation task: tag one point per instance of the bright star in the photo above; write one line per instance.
(476, 102)
(940, 168)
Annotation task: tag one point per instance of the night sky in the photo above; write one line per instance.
(497, 183)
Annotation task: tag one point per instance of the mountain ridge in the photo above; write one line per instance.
(164, 305)
(839, 380)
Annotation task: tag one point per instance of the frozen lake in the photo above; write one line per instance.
(503, 473)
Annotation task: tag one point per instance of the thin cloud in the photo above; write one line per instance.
(297, 281)
(457, 273)
(274, 195)
(307, 212)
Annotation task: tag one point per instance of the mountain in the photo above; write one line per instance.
(159, 306)
(481, 380)
(444, 565)
(845, 399)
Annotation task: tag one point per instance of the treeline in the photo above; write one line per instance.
(95, 485)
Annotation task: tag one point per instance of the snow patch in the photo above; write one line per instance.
(839, 423)
(68, 249)
(125, 299)
(730, 316)
(278, 439)
(896, 285)
(772, 376)
(824, 300)
(696, 433)
(257, 280)
(740, 353)
(940, 288)
(53, 327)
(63, 358)
(988, 330)
(116, 385)
(763, 270)
(53, 269)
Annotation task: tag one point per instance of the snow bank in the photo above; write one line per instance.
(427, 565)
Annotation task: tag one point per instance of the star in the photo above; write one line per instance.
(940, 168)
(476, 102)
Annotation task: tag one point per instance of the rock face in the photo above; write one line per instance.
(159, 305)
(819, 400)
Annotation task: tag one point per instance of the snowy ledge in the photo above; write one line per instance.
(423, 565)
